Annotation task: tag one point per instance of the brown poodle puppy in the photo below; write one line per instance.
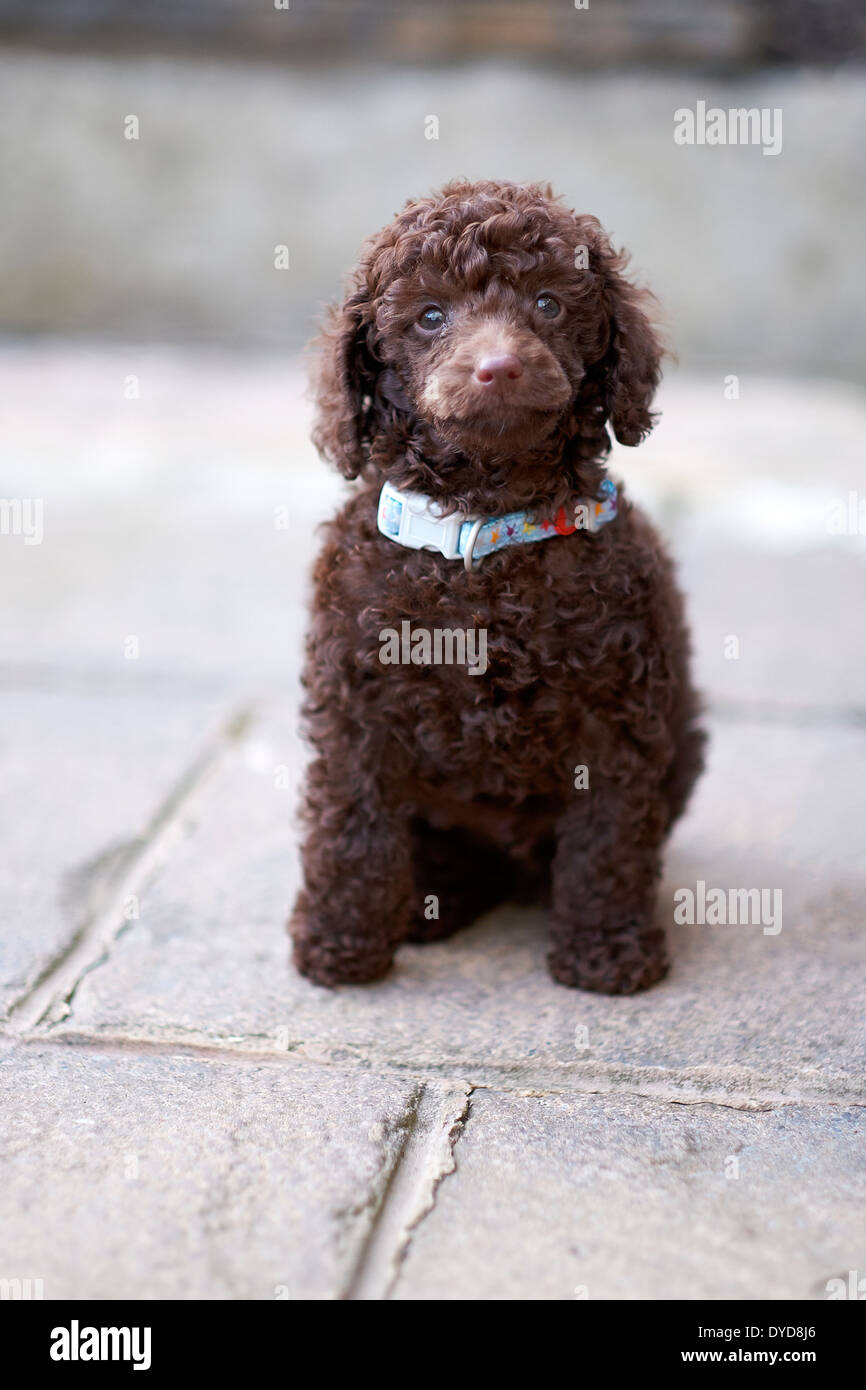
(497, 675)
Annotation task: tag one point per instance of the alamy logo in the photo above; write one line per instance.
(854, 1288)
(76, 1343)
(720, 907)
(446, 646)
(21, 1290)
(736, 126)
(848, 517)
(22, 516)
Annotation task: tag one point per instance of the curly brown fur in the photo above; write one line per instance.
(429, 782)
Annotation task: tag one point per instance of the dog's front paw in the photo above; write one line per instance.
(335, 958)
(616, 960)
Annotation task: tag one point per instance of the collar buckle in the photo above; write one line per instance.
(415, 521)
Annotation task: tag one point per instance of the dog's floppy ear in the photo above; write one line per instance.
(345, 385)
(631, 366)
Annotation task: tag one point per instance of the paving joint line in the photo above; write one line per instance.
(95, 681)
(436, 1117)
(474, 1076)
(90, 944)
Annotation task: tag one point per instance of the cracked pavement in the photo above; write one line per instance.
(183, 1116)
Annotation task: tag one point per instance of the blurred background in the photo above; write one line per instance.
(306, 126)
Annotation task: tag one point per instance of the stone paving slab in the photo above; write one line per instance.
(747, 1013)
(795, 619)
(181, 516)
(172, 1177)
(81, 777)
(600, 1197)
(187, 517)
(755, 494)
(282, 1134)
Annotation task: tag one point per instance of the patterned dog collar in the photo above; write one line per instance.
(414, 520)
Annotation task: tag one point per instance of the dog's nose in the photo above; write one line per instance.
(491, 370)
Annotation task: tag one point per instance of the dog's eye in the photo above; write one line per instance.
(432, 317)
(547, 306)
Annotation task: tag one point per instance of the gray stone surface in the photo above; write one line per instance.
(751, 493)
(185, 517)
(175, 1177)
(595, 1197)
(292, 1141)
(81, 777)
(790, 655)
(188, 518)
(208, 960)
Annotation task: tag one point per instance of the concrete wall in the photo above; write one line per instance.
(755, 257)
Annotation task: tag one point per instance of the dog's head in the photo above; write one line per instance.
(486, 330)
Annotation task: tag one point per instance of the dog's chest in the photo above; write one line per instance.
(484, 671)
(512, 633)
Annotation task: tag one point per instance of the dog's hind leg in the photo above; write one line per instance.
(686, 768)
(457, 879)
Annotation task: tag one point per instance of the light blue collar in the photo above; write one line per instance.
(414, 520)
